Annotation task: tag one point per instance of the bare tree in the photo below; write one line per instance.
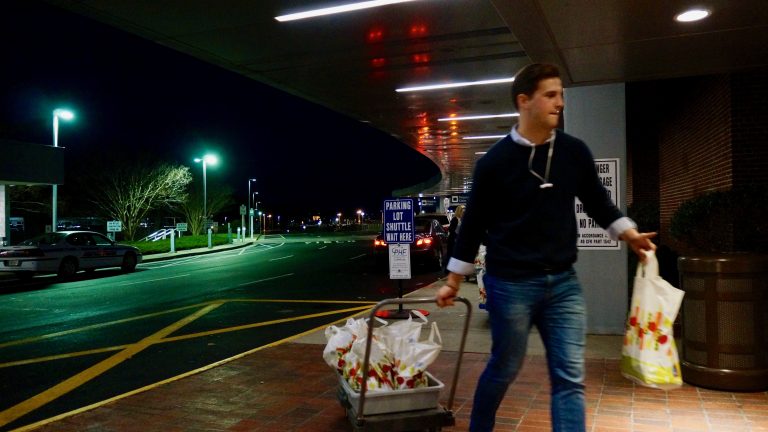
(129, 192)
(192, 207)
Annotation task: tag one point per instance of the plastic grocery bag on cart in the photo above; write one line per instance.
(397, 359)
(649, 354)
(380, 365)
(412, 358)
(340, 341)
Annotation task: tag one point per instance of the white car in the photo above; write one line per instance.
(67, 252)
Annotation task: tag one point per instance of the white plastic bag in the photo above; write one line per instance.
(398, 358)
(340, 341)
(412, 358)
(649, 354)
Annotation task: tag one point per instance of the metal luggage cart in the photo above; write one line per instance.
(428, 413)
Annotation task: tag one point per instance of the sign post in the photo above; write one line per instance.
(399, 233)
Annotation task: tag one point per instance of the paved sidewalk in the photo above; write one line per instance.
(288, 388)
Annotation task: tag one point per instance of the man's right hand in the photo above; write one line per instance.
(445, 295)
(449, 290)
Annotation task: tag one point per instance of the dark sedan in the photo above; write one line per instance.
(67, 252)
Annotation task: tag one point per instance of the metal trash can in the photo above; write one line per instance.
(725, 321)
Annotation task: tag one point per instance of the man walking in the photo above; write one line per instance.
(522, 208)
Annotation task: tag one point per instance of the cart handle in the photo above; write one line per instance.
(368, 342)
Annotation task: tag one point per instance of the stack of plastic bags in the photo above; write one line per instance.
(398, 357)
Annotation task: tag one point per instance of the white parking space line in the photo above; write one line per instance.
(322, 247)
(153, 280)
(281, 258)
(267, 279)
(357, 257)
(175, 262)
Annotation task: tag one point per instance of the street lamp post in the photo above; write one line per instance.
(64, 115)
(250, 213)
(207, 159)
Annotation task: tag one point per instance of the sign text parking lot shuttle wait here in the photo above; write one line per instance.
(398, 233)
(398, 221)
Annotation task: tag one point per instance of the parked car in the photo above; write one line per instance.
(67, 252)
(430, 244)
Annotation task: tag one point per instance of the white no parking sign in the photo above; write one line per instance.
(590, 234)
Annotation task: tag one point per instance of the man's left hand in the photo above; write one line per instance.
(639, 242)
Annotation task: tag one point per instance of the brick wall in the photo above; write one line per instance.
(695, 151)
(695, 134)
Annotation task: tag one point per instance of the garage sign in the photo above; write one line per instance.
(590, 235)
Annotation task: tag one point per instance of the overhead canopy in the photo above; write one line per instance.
(354, 62)
(30, 164)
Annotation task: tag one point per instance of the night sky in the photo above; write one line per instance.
(134, 97)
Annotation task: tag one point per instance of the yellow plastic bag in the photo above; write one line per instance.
(649, 354)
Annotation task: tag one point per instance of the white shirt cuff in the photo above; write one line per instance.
(460, 267)
(619, 226)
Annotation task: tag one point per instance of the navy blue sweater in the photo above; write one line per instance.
(527, 229)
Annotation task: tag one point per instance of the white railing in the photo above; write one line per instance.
(158, 235)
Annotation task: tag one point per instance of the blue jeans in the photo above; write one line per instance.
(555, 305)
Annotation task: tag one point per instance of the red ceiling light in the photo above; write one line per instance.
(417, 30)
(378, 62)
(420, 58)
(375, 35)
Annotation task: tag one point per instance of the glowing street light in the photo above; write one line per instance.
(207, 159)
(67, 115)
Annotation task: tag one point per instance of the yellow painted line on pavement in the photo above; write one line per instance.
(62, 356)
(262, 324)
(247, 300)
(155, 314)
(178, 338)
(168, 380)
(101, 325)
(92, 372)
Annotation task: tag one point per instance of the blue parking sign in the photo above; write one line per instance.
(398, 221)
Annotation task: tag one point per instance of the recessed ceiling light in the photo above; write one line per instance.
(338, 9)
(692, 15)
(479, 137)
(456, 84)
(479, 117)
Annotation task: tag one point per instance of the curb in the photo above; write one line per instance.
(191, 252)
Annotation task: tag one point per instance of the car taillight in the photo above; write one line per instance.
(378, 242)
(426, 241)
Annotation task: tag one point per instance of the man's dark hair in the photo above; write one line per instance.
(527, 79)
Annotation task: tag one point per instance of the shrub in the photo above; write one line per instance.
(724, 221)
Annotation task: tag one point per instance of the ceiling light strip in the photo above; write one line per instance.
(479, 117)
(338, 9)
(480, 137)
(456, 84)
